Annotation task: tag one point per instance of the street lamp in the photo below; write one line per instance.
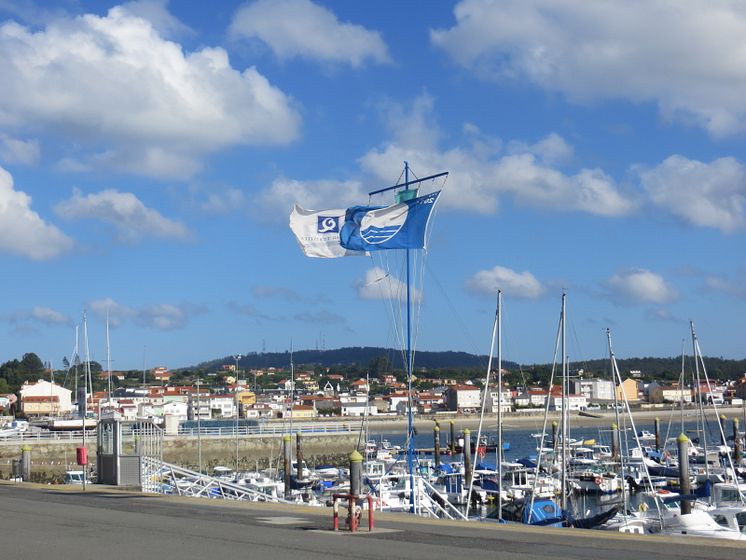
(237, 357)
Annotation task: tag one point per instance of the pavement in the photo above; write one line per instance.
(65, 522)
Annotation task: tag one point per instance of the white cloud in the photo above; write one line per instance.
(116, 312)
(522, 285)
(156, 12)
(22, 231)
(13, 150)
(687, 56)
(703, 194)
(223, 202)
(480, 174)
(379, 284)
(273, 203)
(135, 101)
(49, 316)
(160, 316)
(132, 219)
(639, 286)
(301, 28)
(735, 288)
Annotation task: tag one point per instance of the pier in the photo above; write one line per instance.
(65, 522)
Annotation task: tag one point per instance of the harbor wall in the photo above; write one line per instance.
(50, 459)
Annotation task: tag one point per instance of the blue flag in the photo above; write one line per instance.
(400, 226)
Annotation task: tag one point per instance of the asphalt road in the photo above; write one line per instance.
(54, 523)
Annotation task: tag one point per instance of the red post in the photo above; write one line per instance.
(351, 502)
(335, 507)
(370, 512)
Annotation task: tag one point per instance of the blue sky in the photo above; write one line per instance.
(150, 154)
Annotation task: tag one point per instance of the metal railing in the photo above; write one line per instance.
(268, 429)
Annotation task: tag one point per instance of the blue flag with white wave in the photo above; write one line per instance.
(400, 226)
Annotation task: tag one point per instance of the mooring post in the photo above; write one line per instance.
(467, 457)
(436, 445)
(683, 444)
(723, 422)
(615, 442)
(298, 456)
(453, 438)
(286, 463)
(657, 434)
(26, 463)
(554, 436)
(356, 480)
(736, 442)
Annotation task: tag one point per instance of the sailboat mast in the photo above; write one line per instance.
(699, 400)
(565, 430)
(108, 359)
(87, 371)
(499, 453)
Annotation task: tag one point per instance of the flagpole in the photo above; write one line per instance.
(410, 438)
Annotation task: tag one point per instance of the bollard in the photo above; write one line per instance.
(26, 463)
(467, 457)
(657, 434)
(335, 514)
(683, 441)
(436, 445)
(298, 457)
(356, 473)
(614, 442)
(286, 463)
(371, 522)
(736, 442)
(453, 438)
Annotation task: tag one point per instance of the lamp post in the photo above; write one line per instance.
(237, 357)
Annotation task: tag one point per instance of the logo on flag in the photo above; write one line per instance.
(317, 232)
(328, 224)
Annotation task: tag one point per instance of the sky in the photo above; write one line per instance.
(151, 152)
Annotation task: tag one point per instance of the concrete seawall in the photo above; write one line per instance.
(50, 459)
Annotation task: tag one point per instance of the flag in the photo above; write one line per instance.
(400, 226)
(317, 232)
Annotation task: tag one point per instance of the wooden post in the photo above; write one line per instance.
(657, 434)
(615, 442)
(453, 438)
(467, 457)
(298, 457)
(436, 445)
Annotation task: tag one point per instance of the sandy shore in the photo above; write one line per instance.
(534, 421)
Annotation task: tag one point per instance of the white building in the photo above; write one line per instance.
(595, 389)
(359, 409)
(47, 398)
(223, 406)
(494, 399)
(574, 402)
(465, 398)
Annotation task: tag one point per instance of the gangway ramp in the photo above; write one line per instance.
(159, 477)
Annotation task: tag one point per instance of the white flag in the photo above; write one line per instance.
(317, 232)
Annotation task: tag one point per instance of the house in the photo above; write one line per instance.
(429, 401)
(161, 374)
(531, 397)
(223, 406)
(358, 409)
(574, 402)
(44, 398)
(595, 389)
(463, 398)
(397, 398)
(360, 386)
(303, 411)
(669, 393)
(496, 398)
(629, 389)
